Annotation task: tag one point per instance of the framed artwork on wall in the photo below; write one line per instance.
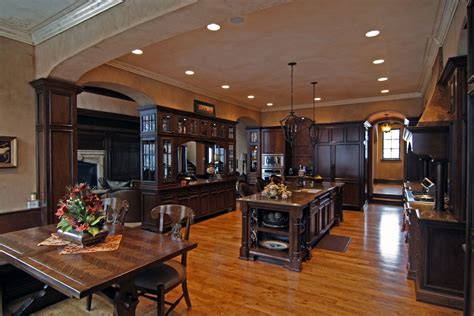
(8, 152)
(205, 108)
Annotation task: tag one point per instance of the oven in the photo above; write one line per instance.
(268, 172)
(273, 161)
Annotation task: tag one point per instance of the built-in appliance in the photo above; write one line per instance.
(273, 161)
(272, 164)
(268, 172)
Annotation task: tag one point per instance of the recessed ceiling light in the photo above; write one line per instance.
(378, 61)
(213, 27)
(385, 91)
(317, 99)
(225, 86)
(137, 51)
(236, 19)
(189, 72)
(372, 33)
(251, 97)
(383, 79)
(269, 104)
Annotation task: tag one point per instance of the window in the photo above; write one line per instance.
(391, 145)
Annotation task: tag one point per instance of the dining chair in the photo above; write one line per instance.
(245, 189)
(155, 282)
(260, 184)
(116, 210)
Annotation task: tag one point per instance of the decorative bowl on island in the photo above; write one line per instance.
(276, 191)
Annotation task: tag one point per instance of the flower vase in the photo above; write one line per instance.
(83, 238)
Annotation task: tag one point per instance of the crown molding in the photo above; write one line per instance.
(173, 82)
(393, 97)
(43, 32)
(444, 18)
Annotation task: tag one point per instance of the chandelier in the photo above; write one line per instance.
(386, 126)
(314, 128)
(289, 124)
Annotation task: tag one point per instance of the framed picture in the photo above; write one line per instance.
(204, 108)
(8, 152)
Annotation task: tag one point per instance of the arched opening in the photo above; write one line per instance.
(243, 123)
(386, 156)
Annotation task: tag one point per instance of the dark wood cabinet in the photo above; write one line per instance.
(273, 141)
(435, 256)
(340, 155)
(253, 155)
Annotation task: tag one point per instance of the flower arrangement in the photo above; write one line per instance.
(80, 210)
(275, 191)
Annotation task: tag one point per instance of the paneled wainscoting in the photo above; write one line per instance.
(369, 278)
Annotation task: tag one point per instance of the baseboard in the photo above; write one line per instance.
(387, 181)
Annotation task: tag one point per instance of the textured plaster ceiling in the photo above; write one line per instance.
(325, 37)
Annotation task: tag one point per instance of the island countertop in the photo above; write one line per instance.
(300, 196)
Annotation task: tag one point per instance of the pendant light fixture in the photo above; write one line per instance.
(386, 128)
(289, 124)
(314, 128)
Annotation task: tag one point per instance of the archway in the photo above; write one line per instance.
(386, 156)
(243, 123)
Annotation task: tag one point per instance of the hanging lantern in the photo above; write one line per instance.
(314, 128)
(386, 128)
(289, 124)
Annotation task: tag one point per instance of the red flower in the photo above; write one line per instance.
(61, 210)
(82, 186)
(82, 227)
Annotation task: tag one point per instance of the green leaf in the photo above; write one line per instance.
(97, 220)
(93, 230)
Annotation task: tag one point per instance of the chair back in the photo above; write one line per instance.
(173, 215)
(116, 210)
(260, 184)
(245, 189)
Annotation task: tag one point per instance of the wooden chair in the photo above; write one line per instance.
(155, 282)
(260, 184)
(245, 189)
(111, 205)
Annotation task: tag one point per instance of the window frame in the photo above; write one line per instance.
(391, 148)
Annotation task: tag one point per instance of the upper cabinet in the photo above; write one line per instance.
(273, 141)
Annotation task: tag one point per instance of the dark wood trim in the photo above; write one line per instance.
(21, 219)
(187, 114)
(107, 93)
(451, 65)
(388, 181)
(86, 113)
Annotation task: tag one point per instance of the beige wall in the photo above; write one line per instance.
(351, 112)
(17, 118)
(387, 170)
(102, 103)
(162, 93)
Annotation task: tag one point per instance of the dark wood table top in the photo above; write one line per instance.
(300, 196)
(78, 275)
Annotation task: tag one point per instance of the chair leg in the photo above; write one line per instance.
(160, 299)
(89, 303)
(186, 293)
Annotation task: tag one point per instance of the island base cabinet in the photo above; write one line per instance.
(307, 224)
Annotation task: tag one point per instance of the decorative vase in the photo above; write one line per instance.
(83, 238)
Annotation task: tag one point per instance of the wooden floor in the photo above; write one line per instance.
(388, 188)
(368, 279)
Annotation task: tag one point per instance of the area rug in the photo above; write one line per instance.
(334, 243)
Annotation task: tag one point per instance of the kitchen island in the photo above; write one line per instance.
(284, 231)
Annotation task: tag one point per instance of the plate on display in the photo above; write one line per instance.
(274, 244)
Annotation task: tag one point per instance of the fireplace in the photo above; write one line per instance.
(90, 166)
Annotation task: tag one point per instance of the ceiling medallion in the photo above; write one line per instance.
(289, 124)
(314, 128)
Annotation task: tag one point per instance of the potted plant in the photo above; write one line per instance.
(81, 216)
(276, 191)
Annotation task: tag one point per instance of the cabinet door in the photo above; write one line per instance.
(347, 161)
(268, 145)
(278, 142)
(337, 135)
(323, 161)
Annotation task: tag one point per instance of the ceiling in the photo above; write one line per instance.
(34, 21)
(325, 37)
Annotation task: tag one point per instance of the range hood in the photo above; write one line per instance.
(438, 109)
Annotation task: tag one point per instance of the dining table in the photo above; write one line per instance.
(82, 274)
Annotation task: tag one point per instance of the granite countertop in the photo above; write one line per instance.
(300, 196)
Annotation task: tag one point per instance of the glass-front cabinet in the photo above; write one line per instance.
(167, 174)
(177, 144)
